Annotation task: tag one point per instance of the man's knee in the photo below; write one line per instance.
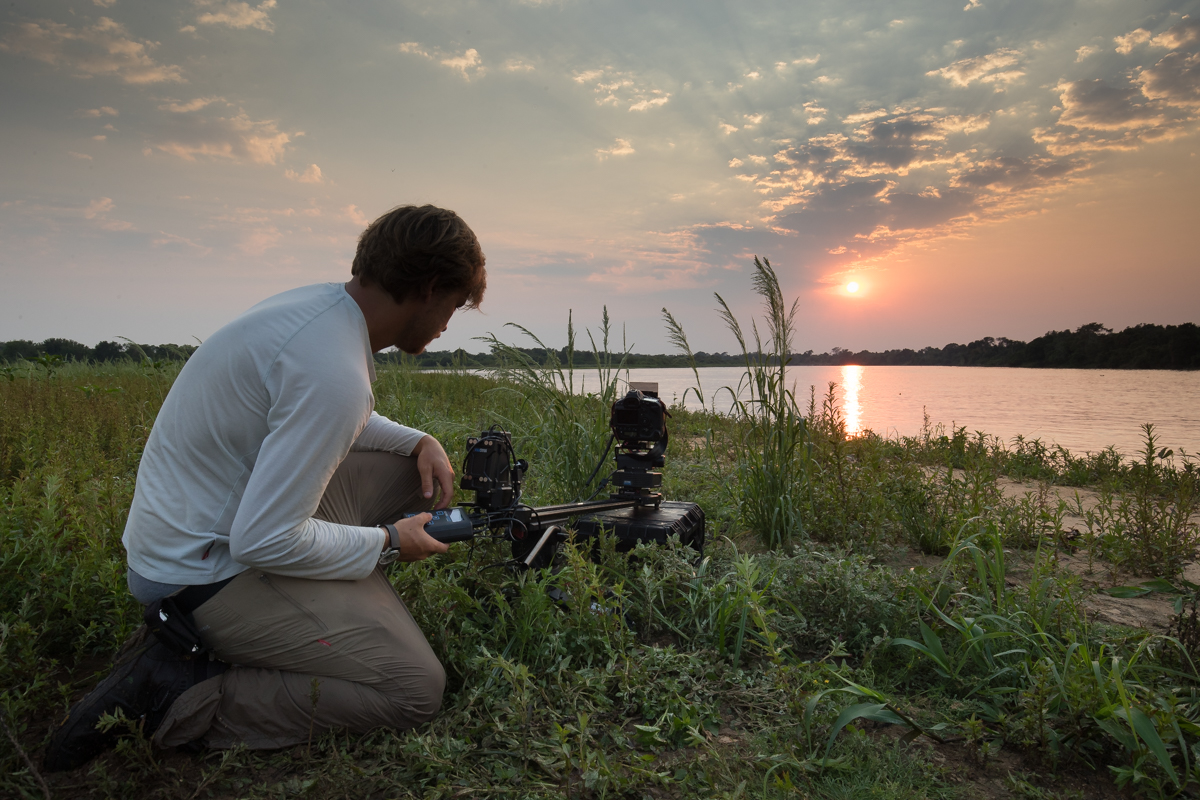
(422, 698)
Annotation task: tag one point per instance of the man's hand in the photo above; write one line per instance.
(415, 543)
(434, 465)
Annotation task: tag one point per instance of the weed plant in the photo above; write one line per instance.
(1152, 528)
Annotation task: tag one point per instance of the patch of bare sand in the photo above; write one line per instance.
(1151, 612)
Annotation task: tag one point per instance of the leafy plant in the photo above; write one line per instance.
(1151, 528)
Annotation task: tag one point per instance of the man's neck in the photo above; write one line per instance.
(378, 309)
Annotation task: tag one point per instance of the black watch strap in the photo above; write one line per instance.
(392, 551)
(393, 536)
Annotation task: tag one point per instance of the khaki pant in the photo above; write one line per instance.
(311, 654)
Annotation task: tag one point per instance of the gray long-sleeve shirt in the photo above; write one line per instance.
(247, 439)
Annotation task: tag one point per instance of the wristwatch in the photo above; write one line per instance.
(392, 551)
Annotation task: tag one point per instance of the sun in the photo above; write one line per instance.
(852, 287)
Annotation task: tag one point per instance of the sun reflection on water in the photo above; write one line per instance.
(851, 407)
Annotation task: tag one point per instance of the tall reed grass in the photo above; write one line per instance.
(772, 451)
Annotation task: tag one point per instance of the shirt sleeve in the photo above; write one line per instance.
(320, 401)
(385, 435)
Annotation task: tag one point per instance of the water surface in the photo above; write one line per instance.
(1082, 410)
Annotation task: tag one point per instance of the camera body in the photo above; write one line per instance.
(639, 416)
(492, 470)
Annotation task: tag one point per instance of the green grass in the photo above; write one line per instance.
(774, 666)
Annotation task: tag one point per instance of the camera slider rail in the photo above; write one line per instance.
(461, 523)
(634, 510)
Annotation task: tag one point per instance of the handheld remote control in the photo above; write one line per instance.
(448, 525)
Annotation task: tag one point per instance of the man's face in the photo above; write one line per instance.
(424, 319)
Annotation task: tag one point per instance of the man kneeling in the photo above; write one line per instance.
(268, 498)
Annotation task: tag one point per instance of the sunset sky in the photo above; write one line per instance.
(994, 169)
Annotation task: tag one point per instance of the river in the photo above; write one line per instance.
(1082, 410)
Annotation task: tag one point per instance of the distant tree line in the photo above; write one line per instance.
(69, 350)
(1090, 346)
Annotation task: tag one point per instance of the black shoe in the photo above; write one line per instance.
(143, 687)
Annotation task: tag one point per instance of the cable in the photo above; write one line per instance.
(599, 489)
(600, 464)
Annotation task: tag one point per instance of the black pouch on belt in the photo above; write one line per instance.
(170, 618)
(174, 627)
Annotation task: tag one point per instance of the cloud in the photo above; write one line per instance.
(175, 242)
(469, 65)
(517, 65)
(1175, 79)
(191, 105)
(237, 138)
(97, 207)
(881, 143)
(814, 114)
(260, 240)
(651, 102)
(236, 15)
(1126, 43)
(990, 68)
(1186, 33)
(105, 3)
(727, 129)
(354, 215)
(621, 148)
(890, 179)
(782, 66)
(615, 88)
(98, 210)
(1096, 105)
(1155, 103)
(100, 50)
(83, 156)
(1085, 51)
(310, 175)
(1009, 174)
(103, 111)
